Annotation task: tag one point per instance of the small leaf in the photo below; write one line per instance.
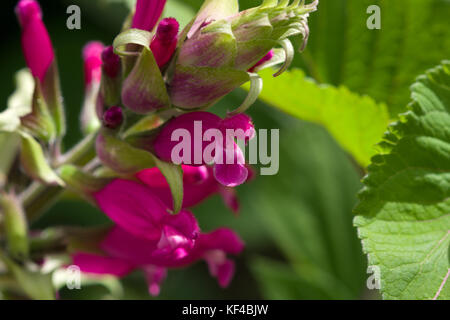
(34, 161)
(403, 215)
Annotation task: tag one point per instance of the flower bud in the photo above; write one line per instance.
(111, 81)
(111, 62)
(224, 44)
(92, 77)
(92, 62)
(40, 58)
(164, 43)
(36, 45)
(113, 118)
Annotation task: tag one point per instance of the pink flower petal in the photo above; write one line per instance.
(36, 44)
(96, 264)
(147, 14)
(134, 207)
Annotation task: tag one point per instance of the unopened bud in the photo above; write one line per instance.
(113, 118)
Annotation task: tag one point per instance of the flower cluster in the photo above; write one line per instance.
(152, 83)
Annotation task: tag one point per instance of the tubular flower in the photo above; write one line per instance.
(147, 14)
(211, 140)
(36, 44)
(164, 43)
(147, 237)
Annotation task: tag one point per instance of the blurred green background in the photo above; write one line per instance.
(297, 225)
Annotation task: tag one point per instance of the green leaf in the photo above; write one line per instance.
(356, 122)
(35, 163)
(414, 36)
(403, 217)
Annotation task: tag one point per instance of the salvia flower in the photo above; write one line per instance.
(36, 44)
(147, 237)
(147, 14)
(211, 140)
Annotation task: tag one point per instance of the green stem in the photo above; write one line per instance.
(39, 197)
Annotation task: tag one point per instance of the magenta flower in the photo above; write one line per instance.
(164, 43)
(92, 56)
(210, 142)
(198, 184)
(147, 14)
(147, 237)
(36, 44)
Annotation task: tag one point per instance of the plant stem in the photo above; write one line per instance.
(38, 197)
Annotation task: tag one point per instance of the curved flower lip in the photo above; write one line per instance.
(36, 44)
(147, 14)
(228, 159)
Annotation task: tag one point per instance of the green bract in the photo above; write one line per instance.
(215, 52)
